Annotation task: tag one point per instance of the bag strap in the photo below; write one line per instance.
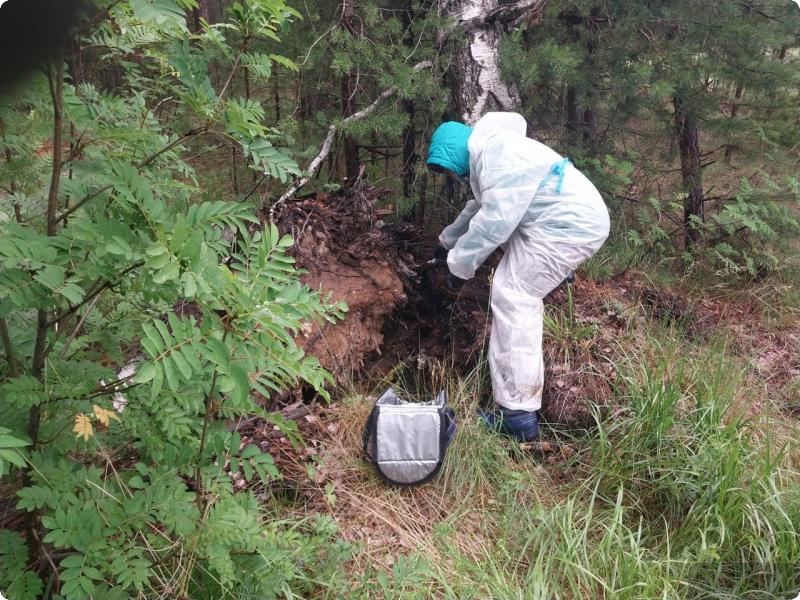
(369, 432)
(449, 426)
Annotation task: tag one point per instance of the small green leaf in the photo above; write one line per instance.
(145, 373)
(182, 364)
(241, 390)
(72, 561)
(156, 250)
(71, 292)
(171, 373)
(158, 383)
(51, 276)
(189, 285)
(219, 354)
(13, 457)
(168, 273)
(158, 262)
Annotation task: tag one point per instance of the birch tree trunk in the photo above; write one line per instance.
(475, 75)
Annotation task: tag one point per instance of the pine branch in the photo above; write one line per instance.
(328, 142)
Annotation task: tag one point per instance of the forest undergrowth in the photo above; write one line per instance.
(686, 487)
(216, 242)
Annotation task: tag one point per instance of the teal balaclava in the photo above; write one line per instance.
(449, 149)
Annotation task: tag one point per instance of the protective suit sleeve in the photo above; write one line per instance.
(504, 201)
(457, 228)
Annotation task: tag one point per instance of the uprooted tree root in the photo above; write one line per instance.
(402, 312)
(402, 316)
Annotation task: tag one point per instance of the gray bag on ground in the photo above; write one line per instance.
(406, 441)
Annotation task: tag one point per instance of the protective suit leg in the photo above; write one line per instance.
(531, 268)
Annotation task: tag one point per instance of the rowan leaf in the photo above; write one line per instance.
(83, 427)
(145, 374)
(103, 415)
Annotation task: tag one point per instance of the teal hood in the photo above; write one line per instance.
(449, 148)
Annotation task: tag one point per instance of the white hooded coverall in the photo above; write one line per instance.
(548, 217)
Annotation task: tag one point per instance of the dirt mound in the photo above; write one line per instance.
(581, 324)
(399, 307)
(402, 314)
(437, 325)
(351, 259)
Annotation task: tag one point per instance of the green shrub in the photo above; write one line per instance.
(135, 331)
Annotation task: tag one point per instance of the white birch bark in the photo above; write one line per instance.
(479, 86)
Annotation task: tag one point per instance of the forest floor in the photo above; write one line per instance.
(615, 348)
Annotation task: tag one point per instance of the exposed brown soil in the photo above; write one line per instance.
(402, 312)
(352, 261)
(399, 307)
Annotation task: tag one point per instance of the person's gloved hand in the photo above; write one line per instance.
(440, 252)
(454, 283)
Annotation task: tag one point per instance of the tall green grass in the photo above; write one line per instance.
(681, 494)
(681, 497)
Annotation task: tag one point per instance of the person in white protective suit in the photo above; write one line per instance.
(546, 216)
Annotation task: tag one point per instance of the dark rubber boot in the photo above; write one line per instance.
(522, 425)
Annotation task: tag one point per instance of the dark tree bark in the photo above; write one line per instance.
(276, 95)
(590, 99)
(55, 77)
(409, 132)
(590, 126)
(200, 14)
(409, 153)
(734, 113)
(233, 170)
(748, 11)
(691, 171)
(574, 117)
(348, 94)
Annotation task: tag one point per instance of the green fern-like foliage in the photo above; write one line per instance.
(114, 404)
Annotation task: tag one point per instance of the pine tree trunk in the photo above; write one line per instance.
(409, 153)
(691, 171)
(477, 86)
(410, 157)
(748, 10)
(202, 9)
(574, 119)
(590, 97)
(590, 126)
(199, 14)
(348, 96)
(734, 112)
(276, 95)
